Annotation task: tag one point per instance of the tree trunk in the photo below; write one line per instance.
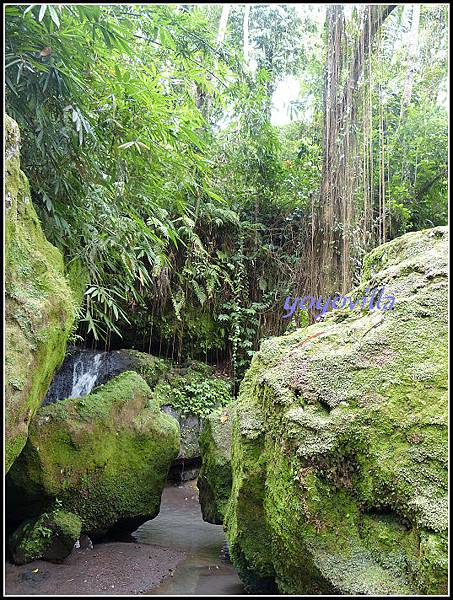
(411, 61)
(223, 23)
(246, 36)
(330, 266)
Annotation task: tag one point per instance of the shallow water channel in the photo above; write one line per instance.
(180, 526)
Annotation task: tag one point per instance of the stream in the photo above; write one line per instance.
(177, 548)
(180, 526)
(177, 553)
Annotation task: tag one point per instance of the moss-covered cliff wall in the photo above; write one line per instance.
(40, 305)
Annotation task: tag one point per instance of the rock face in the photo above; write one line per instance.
(82, 370)
(339, 450)
(51, 537)
(40, 307)
(104, 456)
(214, 480)
(186, 465)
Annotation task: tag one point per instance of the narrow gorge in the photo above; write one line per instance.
(179, 420)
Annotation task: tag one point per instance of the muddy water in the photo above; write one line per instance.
(180, 526)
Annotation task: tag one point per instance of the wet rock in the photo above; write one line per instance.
(182, 470)
(50, 537)
(339, 452)
(83, 543)
(190, 428)
(105, 456)
(83, 370)
(150, 367)
(214, 481)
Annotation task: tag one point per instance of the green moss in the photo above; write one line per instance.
(78, 280)
(339, 454)
(50, 537)
(391, 541)
(432, 575)
(215, 478)
(104, 456)
(40, 309)
(244, 519)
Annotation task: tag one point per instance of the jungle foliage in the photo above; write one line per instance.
(153, 160)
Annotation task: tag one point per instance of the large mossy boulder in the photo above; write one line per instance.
(40, 305)
(50, 537)
(339, 451)
(214, 480)
(104, 457)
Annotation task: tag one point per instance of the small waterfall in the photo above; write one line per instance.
(81, 371)
(85, 376)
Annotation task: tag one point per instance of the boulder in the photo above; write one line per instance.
(214, 480)
(40, 305)
(339, 452)
(150, 367)
(104, 456)
(50, 537)
(186, 465)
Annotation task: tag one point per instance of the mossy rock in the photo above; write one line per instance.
(50, 537)
(40, 305)
(187, 392)
(150, 367)
(190, 427)
(214, 481)
(104, 456)
(339, 452)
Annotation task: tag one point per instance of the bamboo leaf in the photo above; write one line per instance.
(54, 16)
(42, 12)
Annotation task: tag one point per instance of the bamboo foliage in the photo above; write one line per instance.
(153, 159)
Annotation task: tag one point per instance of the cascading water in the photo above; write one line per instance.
(83, 380)
(81, 371)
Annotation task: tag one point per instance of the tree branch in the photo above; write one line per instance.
(425, 187)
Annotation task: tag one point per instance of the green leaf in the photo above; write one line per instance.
(42, 12)
(165, 38)
(214, 196)
(54, 16)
